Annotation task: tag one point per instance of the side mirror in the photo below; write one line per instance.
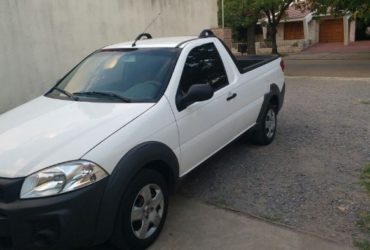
(196, 93)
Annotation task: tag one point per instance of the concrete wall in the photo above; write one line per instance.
(352, 31)
(40, 40)
(280, 32)
(313, 31)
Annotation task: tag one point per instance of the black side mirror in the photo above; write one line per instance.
(196, 93)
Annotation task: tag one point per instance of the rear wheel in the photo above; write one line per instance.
(143, 211)
(266, 130)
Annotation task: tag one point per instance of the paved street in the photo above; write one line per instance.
(328, 67)
(331, 59)
(355, 64)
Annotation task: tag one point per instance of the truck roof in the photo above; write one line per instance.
(163, 42)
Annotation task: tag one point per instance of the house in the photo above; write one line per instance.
(299, 29)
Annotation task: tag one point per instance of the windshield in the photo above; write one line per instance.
(131, 75)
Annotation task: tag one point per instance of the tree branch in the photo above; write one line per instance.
(282, 10)
(273, 15)
(268, 16)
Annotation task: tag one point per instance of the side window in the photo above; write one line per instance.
(203, 66)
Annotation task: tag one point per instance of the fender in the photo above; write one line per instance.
(274, 91)
(129, 165)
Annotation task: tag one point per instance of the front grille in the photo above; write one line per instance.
(10, 189)
(6, 243)
(1, 194)
(4, 226)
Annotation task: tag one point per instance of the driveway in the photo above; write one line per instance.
(307, 179)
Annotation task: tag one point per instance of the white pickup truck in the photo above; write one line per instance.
(97, 156)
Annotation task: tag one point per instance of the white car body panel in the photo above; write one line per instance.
(48, 131)
(157, 125)
(119, 115)
(164, 42)
(206, 127)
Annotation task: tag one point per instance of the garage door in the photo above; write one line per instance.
(331, 31)
(293, 31)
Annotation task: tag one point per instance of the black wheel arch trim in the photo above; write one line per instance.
(274, 92)
(127, 168)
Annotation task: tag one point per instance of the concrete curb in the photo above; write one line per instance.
(193, 224)
(365, 79)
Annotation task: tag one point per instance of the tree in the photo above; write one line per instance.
(245, 14)
(240, 15)
(274, 10)
(358, 8)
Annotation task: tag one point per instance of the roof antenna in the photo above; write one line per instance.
(146, 34)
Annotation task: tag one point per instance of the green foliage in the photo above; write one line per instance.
(364, 220)
(271, 217)
(233, 14)
(364, 216)
(362, 101)
(243, 13)
(365, 178)
(238, 15)
(358, 8)
(362, 244)
(274, 10)
(275, 5)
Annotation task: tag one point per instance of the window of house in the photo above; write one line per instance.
(203, 66)
(293, 31)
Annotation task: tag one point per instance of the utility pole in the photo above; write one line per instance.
(223, 15)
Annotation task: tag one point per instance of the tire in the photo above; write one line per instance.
(142, 212)
(265, 131)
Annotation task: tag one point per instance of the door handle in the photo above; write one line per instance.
(231, 97)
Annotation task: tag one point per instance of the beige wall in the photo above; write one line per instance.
(40, 40)
(313, 31)
(280, 32)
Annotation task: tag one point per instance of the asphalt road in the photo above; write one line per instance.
(328, 64)
(328, 67)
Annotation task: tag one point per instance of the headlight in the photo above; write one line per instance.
(61, 178)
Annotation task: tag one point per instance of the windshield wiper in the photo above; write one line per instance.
(106, 94)
(65, 92)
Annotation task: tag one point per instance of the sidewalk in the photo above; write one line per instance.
(194, 225)
(353, 47)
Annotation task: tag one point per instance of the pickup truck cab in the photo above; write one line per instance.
(97, 156)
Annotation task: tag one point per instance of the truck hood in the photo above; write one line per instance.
(48, 131)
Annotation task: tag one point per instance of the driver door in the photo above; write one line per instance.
(204, 127)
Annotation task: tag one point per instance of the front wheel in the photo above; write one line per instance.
(266, 130)
(143, 211)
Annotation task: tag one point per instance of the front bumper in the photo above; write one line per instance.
(59, 222)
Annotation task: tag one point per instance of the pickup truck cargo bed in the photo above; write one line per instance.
(247, 63)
